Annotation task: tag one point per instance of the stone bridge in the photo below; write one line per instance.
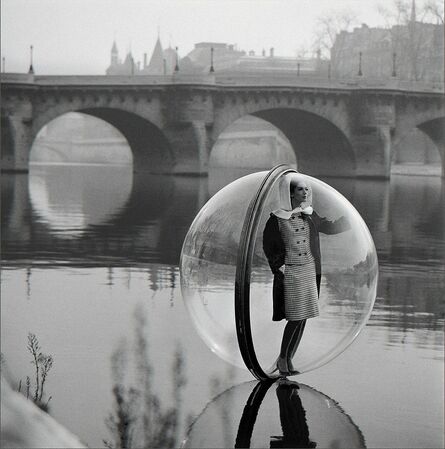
(336, 127)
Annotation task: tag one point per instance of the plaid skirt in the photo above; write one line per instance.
(300, 292)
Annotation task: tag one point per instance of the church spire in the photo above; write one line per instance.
(156, 64)
(114, 54)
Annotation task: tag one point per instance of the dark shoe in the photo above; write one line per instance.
(291, 367)
(283, 368)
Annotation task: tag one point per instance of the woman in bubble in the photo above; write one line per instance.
(291, 238)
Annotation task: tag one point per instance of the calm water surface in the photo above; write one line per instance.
(90, 265)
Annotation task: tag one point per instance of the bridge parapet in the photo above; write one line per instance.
(224, 79)
(108, 80)
(353, 83)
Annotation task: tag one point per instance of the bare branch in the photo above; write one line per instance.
(434, 11)
(329, 25)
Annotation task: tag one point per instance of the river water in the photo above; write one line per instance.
(90, 266)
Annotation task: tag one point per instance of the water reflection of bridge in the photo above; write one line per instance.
(147, 228)
(136, 226)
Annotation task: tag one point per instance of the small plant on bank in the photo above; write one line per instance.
(42, 365)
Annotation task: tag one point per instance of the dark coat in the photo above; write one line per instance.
(274, 250)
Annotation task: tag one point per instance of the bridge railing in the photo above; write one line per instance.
(358, 82)
(16, 78)
(105, 80)
(224, 79)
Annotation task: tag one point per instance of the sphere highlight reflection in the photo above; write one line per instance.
(209, 264)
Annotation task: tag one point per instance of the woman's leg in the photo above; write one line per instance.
(290, 335)
(296, 342)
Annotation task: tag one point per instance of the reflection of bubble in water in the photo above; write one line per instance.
(69, 199)
(261, 414)
(208, 269)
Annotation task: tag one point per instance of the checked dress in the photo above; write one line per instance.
(300, 285)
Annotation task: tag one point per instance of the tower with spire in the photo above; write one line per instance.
(114, 54)
(117, 67)
(114, 60)
(161, 62)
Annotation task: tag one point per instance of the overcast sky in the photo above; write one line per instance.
(75, 36)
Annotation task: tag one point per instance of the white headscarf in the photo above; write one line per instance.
(285, 211)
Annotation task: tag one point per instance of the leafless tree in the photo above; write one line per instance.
(328, 25)
(409, 38)
(434, 10)
(395, 13)
(400, 12)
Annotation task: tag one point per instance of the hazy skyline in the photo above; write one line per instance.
(75, 36)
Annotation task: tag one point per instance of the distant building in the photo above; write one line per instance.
(162, 62)
(117, 67)
(199, 59)
(414, 51)
(283, 64)
(225, 58)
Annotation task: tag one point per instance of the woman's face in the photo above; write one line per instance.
(300, 193)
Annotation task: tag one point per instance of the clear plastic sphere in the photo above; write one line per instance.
(209, 264)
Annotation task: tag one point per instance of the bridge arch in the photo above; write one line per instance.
(321, 147)
(80, 138)
(149, 146)
(435, 130)
(428, 117)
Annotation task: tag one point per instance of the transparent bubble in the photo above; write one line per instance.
(211, 253)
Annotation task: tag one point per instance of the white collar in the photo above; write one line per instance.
(286, 214)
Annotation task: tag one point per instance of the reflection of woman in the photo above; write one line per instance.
(292, 418)
(291, 238)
